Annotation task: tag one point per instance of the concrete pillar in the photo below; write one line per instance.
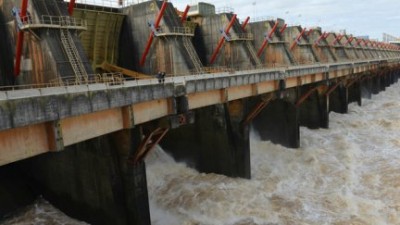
(338, 99)
(396, 76)
(382, 82)
(354, 93)
(15, 189)
(366, 88)
(279, 123)
(314, 111)
(217, 142)
(388, 78)
(94, 182)
(376, 85)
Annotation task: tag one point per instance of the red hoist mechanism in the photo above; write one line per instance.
(267, 39)
(154, 28)
(320, 38)
(224, 37)
(20, 38)
(298, 38)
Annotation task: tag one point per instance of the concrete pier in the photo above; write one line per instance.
(94, 181)
(82, 144)
(313, 106)
(269, 43)
(279, 122)
(217, 142)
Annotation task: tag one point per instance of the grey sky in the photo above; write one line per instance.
(358, 17)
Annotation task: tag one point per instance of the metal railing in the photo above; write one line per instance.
(184, 31)
(104, 78)
(242, 36)
(54, 21)
(107, 5)
(225, 9)
(263, 19)
(118, 78)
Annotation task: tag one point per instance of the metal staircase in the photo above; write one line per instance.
(73, 57)
(192, 54)
(253, 53)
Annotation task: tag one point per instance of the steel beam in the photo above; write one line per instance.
(151, 37)
(222, 39)
(20, 40)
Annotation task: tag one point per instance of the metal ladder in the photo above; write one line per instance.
(73, 57)
(193, 55)
(253, 53)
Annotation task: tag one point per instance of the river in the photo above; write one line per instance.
(347, 174)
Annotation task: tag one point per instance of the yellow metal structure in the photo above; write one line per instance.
(101, 38)
(116, 69)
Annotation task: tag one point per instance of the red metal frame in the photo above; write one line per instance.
(320, 38)
(269, 36)
(148, 144)
(184, 16)
(349, 40)
(309, 32)
(71, 7)
(305, 96)
(283, 28)
(222, 39)
(20, 40)
(245, 23)
(359, 42)
(151, 37)
(337, 39)
(298, 38)
(256, 110)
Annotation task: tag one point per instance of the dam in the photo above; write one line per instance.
(84, 104)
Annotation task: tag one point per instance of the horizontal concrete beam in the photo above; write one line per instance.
(28, 141)
(42, 120)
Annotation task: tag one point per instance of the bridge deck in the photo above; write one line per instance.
(34, 121)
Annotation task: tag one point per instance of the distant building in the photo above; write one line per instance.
(389, 38)
(365, 37)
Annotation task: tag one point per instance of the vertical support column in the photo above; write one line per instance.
(133, 176)
(279, 123)
(93, 180)
(366, 88)
(376, 84)
(313, 109)
(338, 99)
(217, 142)
(354, 93)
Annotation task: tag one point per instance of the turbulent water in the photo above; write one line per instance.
(347, 174)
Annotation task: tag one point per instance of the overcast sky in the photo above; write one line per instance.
(358, 17)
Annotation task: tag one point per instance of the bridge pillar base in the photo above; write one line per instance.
(15, 189)
(366, 88)
(279, 123)
(382, 82)
(338, 100)
(376, 85)
(94, 182)
(217, 142)
(354, 93)
(313, 112)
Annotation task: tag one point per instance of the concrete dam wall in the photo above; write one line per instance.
(204, 120)
(45, 57)
(6, 54)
